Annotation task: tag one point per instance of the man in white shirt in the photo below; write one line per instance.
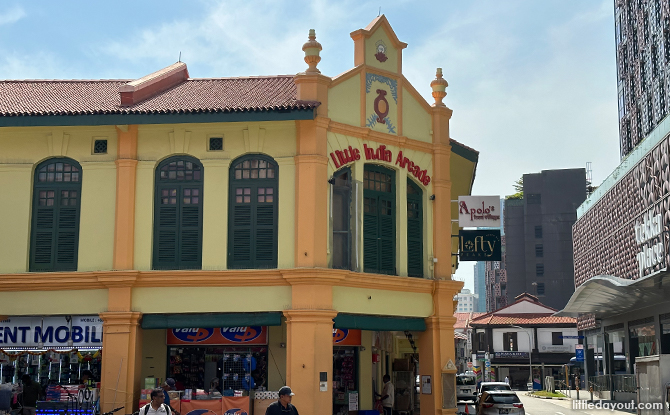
(388, 395)
(156, 406)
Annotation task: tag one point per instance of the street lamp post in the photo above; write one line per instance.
(530, 353)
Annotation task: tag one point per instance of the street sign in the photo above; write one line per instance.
(572, 337)
(488, 364)
(469, 365)
(579, 352)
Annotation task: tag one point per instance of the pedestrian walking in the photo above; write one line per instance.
(157, 406)
(283, 406)
(507, 380)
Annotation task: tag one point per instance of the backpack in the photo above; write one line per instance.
(147, 406)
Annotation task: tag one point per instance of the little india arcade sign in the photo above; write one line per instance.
(349, 155)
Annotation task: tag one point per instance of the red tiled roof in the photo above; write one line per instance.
(462, 319)
(522, 319)
(79, 97)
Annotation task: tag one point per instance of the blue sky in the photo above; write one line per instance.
(532, 82)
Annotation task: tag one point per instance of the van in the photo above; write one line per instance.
(466, 387)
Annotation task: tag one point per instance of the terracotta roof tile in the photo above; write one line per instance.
(462, 319)
(522, 319)
(79, 97)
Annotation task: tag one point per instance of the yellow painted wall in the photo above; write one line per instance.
(211, 299)
(15, 209)
(343, 103)
(416, 121)
(425, 160)
(77, 302)
(392, 303)
(154, 355)
(365, 372)
(21, 149)
(96, 223)
(391, 64)
(276, 357)
(157, 142)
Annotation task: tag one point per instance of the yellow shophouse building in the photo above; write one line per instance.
(202, 221)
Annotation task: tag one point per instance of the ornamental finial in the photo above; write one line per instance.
(439, 86)
(312, 49)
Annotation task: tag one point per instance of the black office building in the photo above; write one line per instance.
(538, 230)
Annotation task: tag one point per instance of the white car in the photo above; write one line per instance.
(491, 386)
(466, 387)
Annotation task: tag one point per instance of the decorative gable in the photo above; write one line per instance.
(378, 46)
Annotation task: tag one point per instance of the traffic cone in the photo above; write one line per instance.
(467, 406)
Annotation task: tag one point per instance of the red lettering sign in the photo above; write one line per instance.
(381, 153)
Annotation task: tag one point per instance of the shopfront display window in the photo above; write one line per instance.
(345, 377)
(49, 367)
(665, 333)
(225, 369)
(642, 337)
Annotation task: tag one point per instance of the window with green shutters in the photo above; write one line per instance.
(414, 229)
(253, 212)
(54, 239)
(178, 214)
(379, 212)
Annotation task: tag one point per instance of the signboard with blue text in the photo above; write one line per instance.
(81, 331)
(579, 352)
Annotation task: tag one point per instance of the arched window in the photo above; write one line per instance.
(54, 239)
(178, 214)
(253, 212)
(414, 229)
(379, 211)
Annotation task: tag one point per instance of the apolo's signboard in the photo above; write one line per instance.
(479, 245)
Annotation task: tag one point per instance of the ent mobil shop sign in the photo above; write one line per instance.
(83, 331)
(476, 211)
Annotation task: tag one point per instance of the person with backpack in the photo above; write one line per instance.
(156, 406)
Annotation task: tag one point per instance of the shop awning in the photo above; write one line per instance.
(606, 296)
(378, 323)
(210, 320)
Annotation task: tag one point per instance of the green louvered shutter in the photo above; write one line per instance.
(414, 230)
(370, 234)
(379, 217)
(56, 212)
(254, 208)
(178, 214)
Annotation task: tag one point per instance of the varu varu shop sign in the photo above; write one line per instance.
(381, 153)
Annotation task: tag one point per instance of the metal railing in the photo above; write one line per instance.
(624, 383)
(613, 383)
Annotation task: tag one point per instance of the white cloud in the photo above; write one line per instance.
(12, 15)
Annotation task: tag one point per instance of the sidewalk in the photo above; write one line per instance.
(586, 397)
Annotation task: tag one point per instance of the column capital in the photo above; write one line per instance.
(120, 317)
(311, 159)
(310, 316)
(118, 279)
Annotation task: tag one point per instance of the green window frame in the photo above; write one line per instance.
(178, 202)
(54, 239)
(379, 220)
(414, 229)
(253, 212)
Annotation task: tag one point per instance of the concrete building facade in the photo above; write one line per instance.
(538, 235)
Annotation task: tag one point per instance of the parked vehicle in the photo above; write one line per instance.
(500, 402)
(489, 387)
(466, 387)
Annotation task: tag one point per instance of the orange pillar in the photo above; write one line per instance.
(121, 360)
(436, 349)
(126, 168)
(309, 344)
(311, 213)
